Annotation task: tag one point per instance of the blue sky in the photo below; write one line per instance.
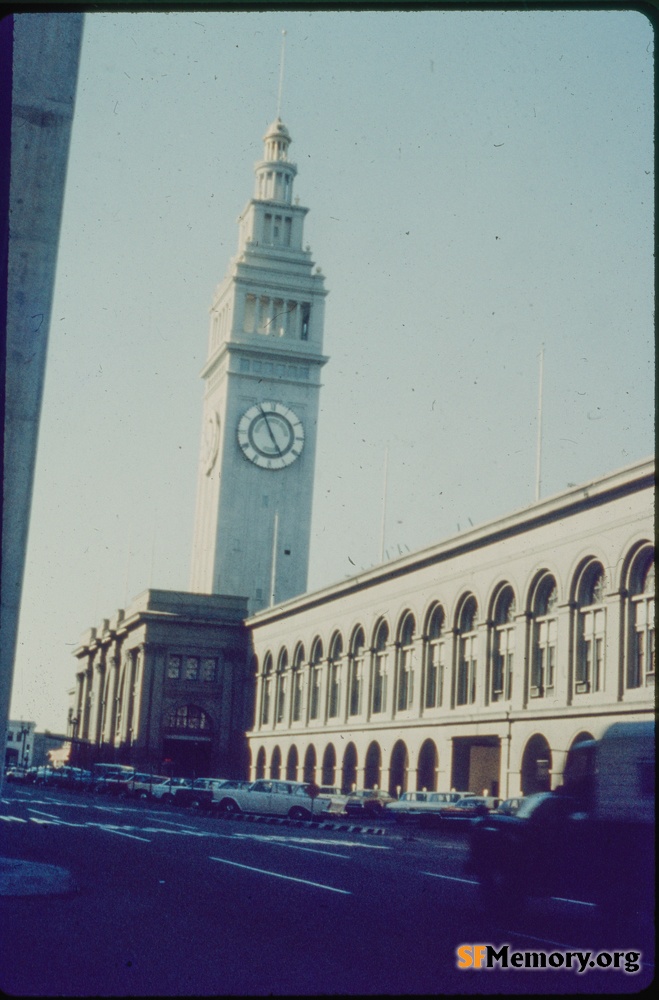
(479, 184)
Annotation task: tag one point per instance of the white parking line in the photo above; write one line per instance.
(40, 812)
(13, 819)
(120, 833)
(451, 878)
(289, 878)
(577, 902)
(312, 850)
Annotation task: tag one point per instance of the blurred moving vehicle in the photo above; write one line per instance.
(592, 839)
(368, 802)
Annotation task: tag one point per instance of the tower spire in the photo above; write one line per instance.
(281, 71)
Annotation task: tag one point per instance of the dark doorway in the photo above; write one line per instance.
(398, 769)
(190, 758)
(349, 773)
(426, 775)
(536, 766)
(309, 773)
(476, 764)
(329, 766)
(372, 765)
(291, 765)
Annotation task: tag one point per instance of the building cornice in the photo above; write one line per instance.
(587, 496)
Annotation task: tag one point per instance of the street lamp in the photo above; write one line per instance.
(22, 733)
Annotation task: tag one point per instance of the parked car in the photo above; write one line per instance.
(510, 806)
(140, 785)
(405, 809)
(113, 783)
(469, 807)
(168, 789)
(332, 799)
(17, 774)
(200, 792)
(275, 798)
(368, 803)
(67, 777)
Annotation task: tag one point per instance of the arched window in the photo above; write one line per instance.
(379, 701)
(266, 684)
(591, 625)
(189, 717)
(544, 606)
(315, 667)
(434, 679)
(356, 672)
(297, 683)
(282, 678)
(334, 680)
(406, 650)
(465, 693)
(640, 664)
(503, 646)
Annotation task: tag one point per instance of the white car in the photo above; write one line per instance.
(167, 790)
(273, 798)
(424, 807)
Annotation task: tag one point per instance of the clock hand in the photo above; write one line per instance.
(272, 436)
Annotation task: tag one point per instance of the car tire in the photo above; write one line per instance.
(143, 796)
(298, 812)
(229, 808)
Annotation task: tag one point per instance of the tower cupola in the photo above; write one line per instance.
(274, 173)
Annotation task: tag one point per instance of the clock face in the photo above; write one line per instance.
(270, 435)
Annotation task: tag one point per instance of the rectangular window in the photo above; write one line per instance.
(267, 228)
(315, 693)
(305, 316)
(333, 710)
(173, 668)
(287, 231)
(297, 696)
(209, 670)
(192, 668)
(461, 693)
(264, 315)
(249, 321)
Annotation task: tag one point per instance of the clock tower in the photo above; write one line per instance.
(262, 380)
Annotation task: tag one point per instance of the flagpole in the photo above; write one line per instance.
(538, 458)
(384, 503)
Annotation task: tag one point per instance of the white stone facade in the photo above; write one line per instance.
(474, 664)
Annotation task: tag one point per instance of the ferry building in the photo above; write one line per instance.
(474, 664)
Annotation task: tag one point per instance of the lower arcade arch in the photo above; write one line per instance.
(398, 768)
(536, 766)
(275, 763)
(427, 766)
(309, 770)
(291, 764)
(349, 769)
(372, 766)
(329, 766)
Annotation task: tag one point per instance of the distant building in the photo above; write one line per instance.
(19, 748)
(165, 685)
